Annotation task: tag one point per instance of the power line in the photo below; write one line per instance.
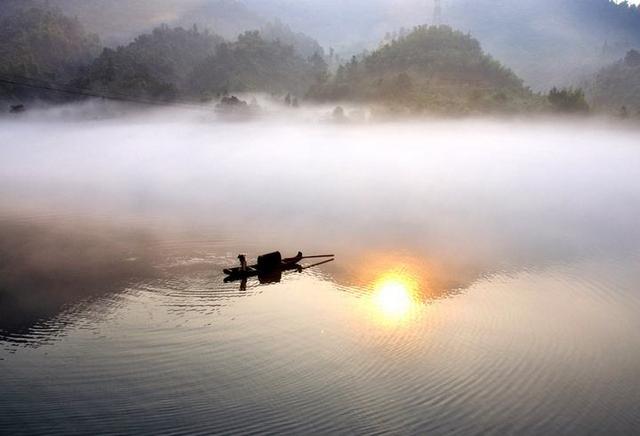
(64, 89)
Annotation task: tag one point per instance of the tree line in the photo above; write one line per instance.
(167, 63)
(427, 69)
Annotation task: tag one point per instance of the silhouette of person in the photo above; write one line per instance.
(243, 262)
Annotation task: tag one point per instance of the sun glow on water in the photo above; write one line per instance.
(394, 297)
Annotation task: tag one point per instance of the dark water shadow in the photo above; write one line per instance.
(47, 270)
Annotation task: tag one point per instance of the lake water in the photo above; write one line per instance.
(487, 277)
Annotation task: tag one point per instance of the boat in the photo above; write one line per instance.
(269, 267)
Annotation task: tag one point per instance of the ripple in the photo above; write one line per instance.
(522, 352)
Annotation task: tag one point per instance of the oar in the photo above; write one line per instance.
(319, 256)
(318, 264)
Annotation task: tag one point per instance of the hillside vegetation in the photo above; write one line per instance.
(45, 48)
(188, 64)
(254, 64)
(119, 21)
(304, 45)
(617, 87)
(546, 42)
(42, 44)
(433, 69)
(155, 65)
(550, 42)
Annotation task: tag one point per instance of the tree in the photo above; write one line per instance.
(43, 44)
(319, 67)
(568, 100)
(156, 65)
(434, 68)
(632, 59)
(254, 64)
(303, 45)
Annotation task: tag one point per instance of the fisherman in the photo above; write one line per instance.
(243, 263)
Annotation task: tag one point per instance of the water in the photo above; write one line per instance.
(486, 278)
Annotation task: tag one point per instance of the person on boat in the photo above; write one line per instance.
(243, 263)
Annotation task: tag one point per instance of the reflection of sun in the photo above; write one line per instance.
(394, 297)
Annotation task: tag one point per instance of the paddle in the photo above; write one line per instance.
(317, 264)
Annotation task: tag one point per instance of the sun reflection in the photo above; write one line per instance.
(394, 297)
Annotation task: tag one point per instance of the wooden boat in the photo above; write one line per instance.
(273, 264)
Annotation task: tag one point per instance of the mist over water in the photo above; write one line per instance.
(473, 184)
(486, 277)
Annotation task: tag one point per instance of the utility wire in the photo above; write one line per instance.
(64, 89)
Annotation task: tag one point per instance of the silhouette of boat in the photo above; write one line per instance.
(269, 267)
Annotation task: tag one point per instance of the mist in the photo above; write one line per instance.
(485, 194)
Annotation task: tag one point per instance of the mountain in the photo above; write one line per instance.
(157, 64)
(253, 63)
(432, 68)
(174, 63)
(42, 44)
(617, 86)
(118, 21)
(546, 42)
(304, 45)
(550, 42)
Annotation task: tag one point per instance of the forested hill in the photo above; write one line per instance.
(119, 21)
(42, 44)
(252, 63)
(550, 41)
(47, 48)
(154, 65)
(431, 68)
(545, 42)
(616, 88)
(304, 45)
(172, 63)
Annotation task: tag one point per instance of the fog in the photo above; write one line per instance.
(478, 194)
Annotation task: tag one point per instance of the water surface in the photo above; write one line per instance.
(487, 277)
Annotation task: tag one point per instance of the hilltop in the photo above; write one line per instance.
(616, 88)
(43, 44)
(550, 42)
(432, 68)
(43, 47)
(157, 64)
(546, 42)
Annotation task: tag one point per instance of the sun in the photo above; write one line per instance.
(394, 297)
